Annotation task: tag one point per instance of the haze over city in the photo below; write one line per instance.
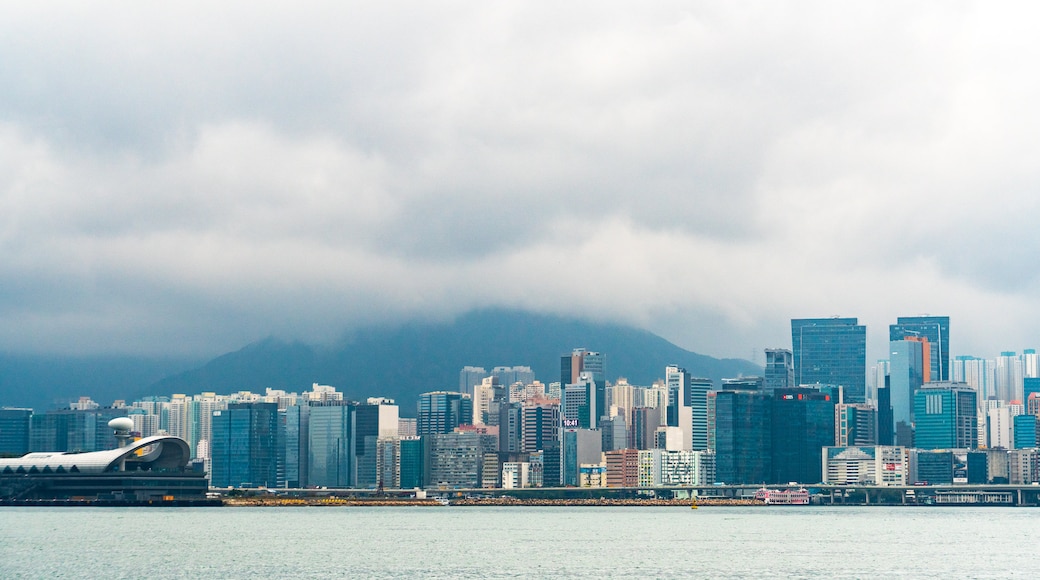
(187, 179)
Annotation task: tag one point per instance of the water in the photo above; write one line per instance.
(497, 542)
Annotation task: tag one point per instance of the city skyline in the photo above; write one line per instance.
(704, 172)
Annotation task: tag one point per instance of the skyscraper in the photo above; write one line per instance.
(442, 412)
(779, 369)
(247, 446)
(945, 417)
(906, 375)
(936, 329)
(743, 421)
(831, 351)
(802, 425)
(14, 431)
(593, 364)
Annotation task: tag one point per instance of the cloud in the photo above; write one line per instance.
(189, 178)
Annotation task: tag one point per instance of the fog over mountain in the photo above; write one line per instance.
(392, 361)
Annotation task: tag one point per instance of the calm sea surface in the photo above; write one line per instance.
(483, 542)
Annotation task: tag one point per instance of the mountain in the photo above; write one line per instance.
(403, 361)
(44, 382)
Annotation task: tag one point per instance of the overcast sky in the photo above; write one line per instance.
(190, 178)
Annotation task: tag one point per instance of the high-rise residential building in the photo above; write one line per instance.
(945, 417)
(331, 460)
(831, 351)
(978, 373)
(906, 375)
(779, 372)
(246, 446)
(877, 378)
(14, 431)
(594, 365)
(622, 468)
(1010, 375)
(442, 412)
(934, 329)
(802, 424)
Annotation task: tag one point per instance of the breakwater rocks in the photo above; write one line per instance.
(506, 501)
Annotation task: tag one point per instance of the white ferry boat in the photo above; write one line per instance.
(798, 496)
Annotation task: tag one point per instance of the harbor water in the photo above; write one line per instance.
(502, 542)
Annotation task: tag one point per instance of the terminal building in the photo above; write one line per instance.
(147, 470)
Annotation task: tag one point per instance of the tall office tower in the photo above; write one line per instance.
(946, 417)
(580, 401)
(579, 446)
(331, 448)
(680, 411)
(1024, 430)
(372, 422)
(906, 375)
(936, 329)
(540, 425)
(855, 425)
(885, 421)
(442, 412)
(779, 369)
(697, 401)
(831, 351)
(14, 431)
(645, 421)
(743, 436)
(511, 375)
(877, 378)
(413, 463)
(594, 364)
(296, 441)
(614, 433)
(470, 377)
(510, 427)
(246, 446)
(1010, 375)
(802, 425)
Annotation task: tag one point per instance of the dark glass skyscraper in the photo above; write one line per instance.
(802, 425)
(442, 412)
(831, 351)
(743, 421)
(936, 329)
(247, 447)
(14, 432)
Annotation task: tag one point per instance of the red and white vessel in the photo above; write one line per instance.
(783, 496)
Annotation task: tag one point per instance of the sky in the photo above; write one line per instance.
(188, 178)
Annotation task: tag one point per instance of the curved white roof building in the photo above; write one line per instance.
(162, 452)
